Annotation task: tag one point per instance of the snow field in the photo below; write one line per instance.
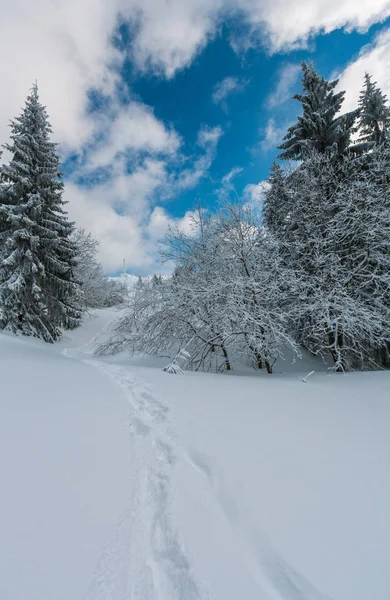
(120, 481)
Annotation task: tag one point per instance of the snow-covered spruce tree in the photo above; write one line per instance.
(318, 128)
(334, 238)
(368, 207)
(373, 160)
(38, 289)
(361, 229)
(276, 200)
(374, 115)
(327, 314)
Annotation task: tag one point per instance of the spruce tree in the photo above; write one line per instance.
(38, 290)
(335, 239)
(374, 115)
(331, 217)
(276, 200)
(318, 128)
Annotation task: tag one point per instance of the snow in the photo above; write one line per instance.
(122, 481)
(63, 456)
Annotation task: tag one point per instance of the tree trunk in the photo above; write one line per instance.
(336, 354)
(226, 357)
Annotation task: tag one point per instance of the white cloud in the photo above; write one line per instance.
(170, 33)
(228, 178)
(121, 211)
(131, 235)
(227, 87)
(208, 138)
(67, 47)
(279, 25)
(287, 77)
(132, 128)
(272, 136)
(373, 59)
(288, 24)
(253, 193)
(160, 220)
(120, 236)
(227, 185)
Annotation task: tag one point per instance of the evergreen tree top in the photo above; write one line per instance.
(374, 121)
(33, 119)
(318, 128)
(33, 153)
(35, 163)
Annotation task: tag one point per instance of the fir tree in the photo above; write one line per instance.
(318, 128)
(374, 115)
(38, 290)
(333, 232)
(276, 199)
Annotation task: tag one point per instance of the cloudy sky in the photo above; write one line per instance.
(159, 103)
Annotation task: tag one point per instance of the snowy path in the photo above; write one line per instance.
(146, 539)
(157, 565)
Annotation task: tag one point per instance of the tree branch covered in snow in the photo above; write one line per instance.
(223, 302)
(97, 289)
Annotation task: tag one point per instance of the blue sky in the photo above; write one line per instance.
(186, 102)
(159, 103)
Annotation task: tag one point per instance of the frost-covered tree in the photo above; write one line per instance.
(139, 283)
(38, 288)
(276, 199)
(225, 302)
(156, 280)
(97, 289)
(335, 237)
(258, 286)
(325, 215)
(368, 209)
(319, 128)
(374, 115)
(167, 315)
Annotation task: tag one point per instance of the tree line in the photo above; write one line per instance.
(309, 269)
(49, 271)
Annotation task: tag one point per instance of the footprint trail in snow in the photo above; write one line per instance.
(146, 560)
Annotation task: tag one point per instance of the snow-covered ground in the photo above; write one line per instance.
(122, 482)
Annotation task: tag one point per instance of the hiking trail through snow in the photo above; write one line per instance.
(167, 562)
(146, 558)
